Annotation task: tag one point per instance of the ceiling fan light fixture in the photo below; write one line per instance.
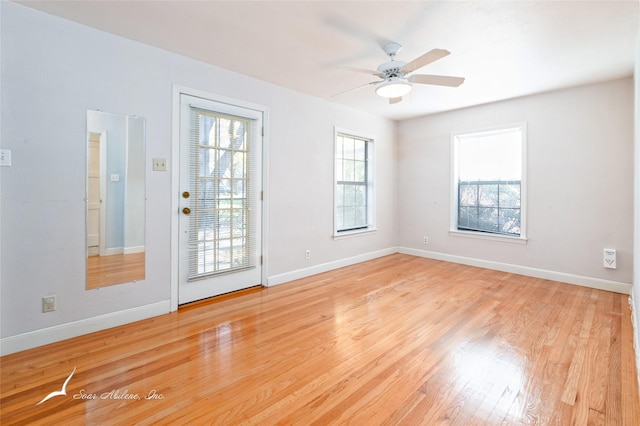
(393, 88)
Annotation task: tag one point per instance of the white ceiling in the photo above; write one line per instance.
(504, 49)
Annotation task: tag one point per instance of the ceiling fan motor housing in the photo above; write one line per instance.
(392, 49)
(392, 69)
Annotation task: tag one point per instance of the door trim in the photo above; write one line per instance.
(175, 179)
(102, 225)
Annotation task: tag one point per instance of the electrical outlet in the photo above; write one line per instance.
(159, 164)
(609, 259)
(425, 240)
(307, 254)
(49, 304)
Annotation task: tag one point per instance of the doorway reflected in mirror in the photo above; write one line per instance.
(115, 199)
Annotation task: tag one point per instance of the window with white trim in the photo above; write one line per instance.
(353, 183)
(489, 181)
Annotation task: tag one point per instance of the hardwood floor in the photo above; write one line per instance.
(398, 340)
(104, 271)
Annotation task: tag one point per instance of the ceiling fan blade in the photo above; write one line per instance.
(365, 71)
(438, 80)
(429, 57)
(395, 100)
(355, 88)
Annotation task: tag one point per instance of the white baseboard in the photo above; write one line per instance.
(318, 269)
(133, 249)
(32, 339)
(615, 286)
(113, 251)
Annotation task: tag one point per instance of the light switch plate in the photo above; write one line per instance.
(159, 164)
(5, 157)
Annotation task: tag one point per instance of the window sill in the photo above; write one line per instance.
(490, 237)
(350, 234)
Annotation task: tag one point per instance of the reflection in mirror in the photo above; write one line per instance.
(115, 199)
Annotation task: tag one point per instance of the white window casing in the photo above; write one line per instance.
(354, 195)
(483, 163)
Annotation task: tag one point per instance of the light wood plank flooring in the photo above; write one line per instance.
(104, 271)
(398, 340)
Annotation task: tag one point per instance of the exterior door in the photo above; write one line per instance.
(220, 191)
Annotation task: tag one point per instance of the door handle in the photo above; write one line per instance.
(186, 210)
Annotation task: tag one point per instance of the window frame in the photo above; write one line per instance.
(454, 207)
(370, 184)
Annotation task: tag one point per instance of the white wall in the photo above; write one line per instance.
(134, 214)
(52, 72)
(580, 180)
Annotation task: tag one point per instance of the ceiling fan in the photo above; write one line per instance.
(396, 78)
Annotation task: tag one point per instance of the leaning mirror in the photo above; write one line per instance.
(115, 199)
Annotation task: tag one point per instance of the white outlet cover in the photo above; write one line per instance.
(609, 259)
(48, 304)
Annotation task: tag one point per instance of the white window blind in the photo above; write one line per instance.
(222, 225)
(354, 183)
(489, 181)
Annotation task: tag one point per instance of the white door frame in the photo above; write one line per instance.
(175, 179)
(102, 236)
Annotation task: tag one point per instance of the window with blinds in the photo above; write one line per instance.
(489, 181)
(221, 227)
(353, 183)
